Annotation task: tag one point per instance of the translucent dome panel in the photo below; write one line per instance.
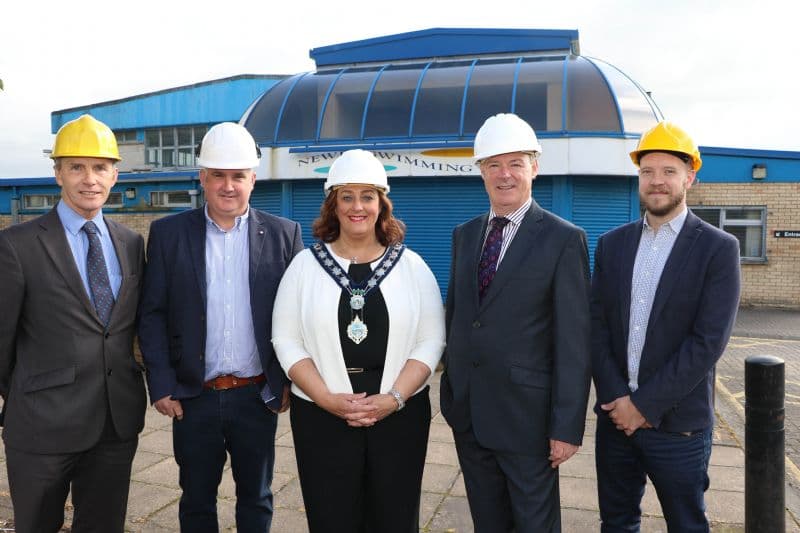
(389, 110)
(638, 114)
(345, 107)
(263, 118)
(539, 98)
(490, 88)
(438, 107)
(590, 104)
(300, 116)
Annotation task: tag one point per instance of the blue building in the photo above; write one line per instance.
(416, 100)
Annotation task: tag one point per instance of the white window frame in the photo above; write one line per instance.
(49, 201)
(725, 222)
(166, 199)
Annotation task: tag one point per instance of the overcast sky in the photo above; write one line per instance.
(726, 71)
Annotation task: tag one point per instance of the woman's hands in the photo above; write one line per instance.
(377, 407)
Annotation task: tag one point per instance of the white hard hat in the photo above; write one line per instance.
(228, 146)
(505, 133)
(357, 167)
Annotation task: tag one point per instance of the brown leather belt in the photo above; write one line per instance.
(233, 382)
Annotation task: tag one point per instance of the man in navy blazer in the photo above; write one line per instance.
(665, 291)
(516, 381)
(205, 330)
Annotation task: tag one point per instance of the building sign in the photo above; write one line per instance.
(783, 233)
(442, 162)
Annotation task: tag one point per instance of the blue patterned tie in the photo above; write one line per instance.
(491, 252)
(98, 274)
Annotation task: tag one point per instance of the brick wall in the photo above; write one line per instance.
(138, 222)
(776, 282)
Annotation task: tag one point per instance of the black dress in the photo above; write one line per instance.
(362, 480)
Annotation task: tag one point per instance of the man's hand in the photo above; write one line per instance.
(560, 451)
(284, 400)
(169, 407)
(625, 415)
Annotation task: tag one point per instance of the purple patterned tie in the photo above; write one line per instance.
(491, 252)
(97, 273)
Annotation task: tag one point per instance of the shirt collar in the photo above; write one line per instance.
(238, 224)
(516, 216)
(73, 222)
(676, 224)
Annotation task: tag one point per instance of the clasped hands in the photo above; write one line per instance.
(625, 415)
(360, 410)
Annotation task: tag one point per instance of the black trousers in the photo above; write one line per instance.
(99, 478)
(361, 480)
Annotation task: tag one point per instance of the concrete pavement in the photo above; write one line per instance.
(154, 491)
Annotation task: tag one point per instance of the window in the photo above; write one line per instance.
(746, 223)
(114, 200)
(170, 199)
(127, 136)
(40, 201)
(172, 147)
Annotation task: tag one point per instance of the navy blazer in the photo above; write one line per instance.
(172, 327)
(517, 363)
(690, 323)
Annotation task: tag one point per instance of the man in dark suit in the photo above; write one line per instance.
(205, 330)
(516, 378)
(665, 291)
(73, 393)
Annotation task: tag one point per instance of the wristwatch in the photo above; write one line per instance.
(398, 398)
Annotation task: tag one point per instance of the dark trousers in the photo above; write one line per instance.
(357, 480)
(508, 491)
(214, 424)
(677, 465)
(100, 478)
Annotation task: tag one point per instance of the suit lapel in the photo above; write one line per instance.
(675, 264)
(196, 236)
(121, 249)
(631, 246)
(256, 240)
(523, 244)
(55, 244)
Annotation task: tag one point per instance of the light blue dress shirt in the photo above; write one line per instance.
(652, 255)
(79, 244)
(230, 338)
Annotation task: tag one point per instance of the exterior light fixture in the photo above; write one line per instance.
(759, 172)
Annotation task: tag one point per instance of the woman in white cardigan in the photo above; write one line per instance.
(358, 326)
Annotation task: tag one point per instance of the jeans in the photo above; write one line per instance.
(677, 465)
(216, 423)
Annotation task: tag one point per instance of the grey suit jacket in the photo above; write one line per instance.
(517, 364)
(60, 368)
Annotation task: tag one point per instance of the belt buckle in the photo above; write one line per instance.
(355, 370)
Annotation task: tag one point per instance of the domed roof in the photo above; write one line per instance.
(444, 101)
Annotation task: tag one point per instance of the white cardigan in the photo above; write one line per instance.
(305, 319)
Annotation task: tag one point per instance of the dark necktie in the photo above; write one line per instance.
(98, 274)
(491, 253)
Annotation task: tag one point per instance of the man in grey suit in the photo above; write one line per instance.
(73, 394)
(516, 379)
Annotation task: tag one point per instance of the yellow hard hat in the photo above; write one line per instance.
(667, 137)
(85, 137)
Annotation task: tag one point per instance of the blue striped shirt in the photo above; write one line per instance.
(652, 255)
(230, 337)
